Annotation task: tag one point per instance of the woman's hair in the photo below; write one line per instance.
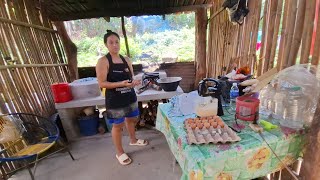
(109, 33)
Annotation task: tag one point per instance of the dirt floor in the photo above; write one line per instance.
(95, 160)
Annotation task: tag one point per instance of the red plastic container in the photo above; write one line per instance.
(61, 92)
(247, 108)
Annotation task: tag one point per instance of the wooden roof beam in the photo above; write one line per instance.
(118, 12)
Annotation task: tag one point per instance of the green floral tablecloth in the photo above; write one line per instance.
(246, 159)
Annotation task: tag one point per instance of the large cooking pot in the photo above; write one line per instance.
(169, 83)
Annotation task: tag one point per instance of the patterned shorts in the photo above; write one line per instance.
(117, 116)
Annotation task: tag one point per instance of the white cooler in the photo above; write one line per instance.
(85, 88)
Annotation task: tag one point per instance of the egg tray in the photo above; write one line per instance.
(209, 130)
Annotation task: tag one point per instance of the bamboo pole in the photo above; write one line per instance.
(125, 36)
(210, 44)
(297, 33)
(3, 107)
(307, 32)
(48, 72)
(219, 58)
(36, 55)
(30, 65)
(255, 35)
(240, 40)
(7, 94)
(275, 35)
(47, 52)
(270, 33)
(36, 52)
(316, 49)
(290, 29)
(280, 64)
(31, 38)
(11, 49)
(19, 23)
(246, 32)
(18, 76)
(8, 99)
(263, 38)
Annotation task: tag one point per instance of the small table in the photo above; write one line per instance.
(247, 159)
(69, 111)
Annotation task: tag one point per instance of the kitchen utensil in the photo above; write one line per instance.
(211, 87)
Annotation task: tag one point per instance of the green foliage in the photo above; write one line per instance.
(174, 37)
(178, 43)
(134, 49)
(181, 20)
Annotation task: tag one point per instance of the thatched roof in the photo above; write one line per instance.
(62, 10)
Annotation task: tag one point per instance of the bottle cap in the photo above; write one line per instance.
(234, 84)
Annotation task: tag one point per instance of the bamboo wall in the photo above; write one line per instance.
(287, 36)
(31, 58)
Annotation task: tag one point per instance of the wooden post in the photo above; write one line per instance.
(308, 29)
(283, 35)
(70, 49)
(268, 62)
(316, 49)
(297, 32)
(125, 36)
(310, 168)
(275, 34)
(290, 29)
(201, 40)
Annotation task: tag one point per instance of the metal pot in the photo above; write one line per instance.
(169, 83)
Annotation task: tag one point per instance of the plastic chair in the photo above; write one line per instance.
(38, 136)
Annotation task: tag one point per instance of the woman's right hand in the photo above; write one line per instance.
(133, 83)
(127, 83)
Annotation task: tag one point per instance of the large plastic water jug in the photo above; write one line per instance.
(294, 107)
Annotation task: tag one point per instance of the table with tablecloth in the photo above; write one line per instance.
(246, 159)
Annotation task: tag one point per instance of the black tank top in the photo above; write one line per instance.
(123, 96)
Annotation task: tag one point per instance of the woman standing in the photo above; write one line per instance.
(114, 72)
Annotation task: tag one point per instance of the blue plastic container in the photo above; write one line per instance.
(89, 125)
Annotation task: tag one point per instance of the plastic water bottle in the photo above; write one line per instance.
(294, 108)
(266, 100)
(278, 103)
(234, 93)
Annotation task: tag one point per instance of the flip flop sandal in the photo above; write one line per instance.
(140, 142)
(122, 158)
